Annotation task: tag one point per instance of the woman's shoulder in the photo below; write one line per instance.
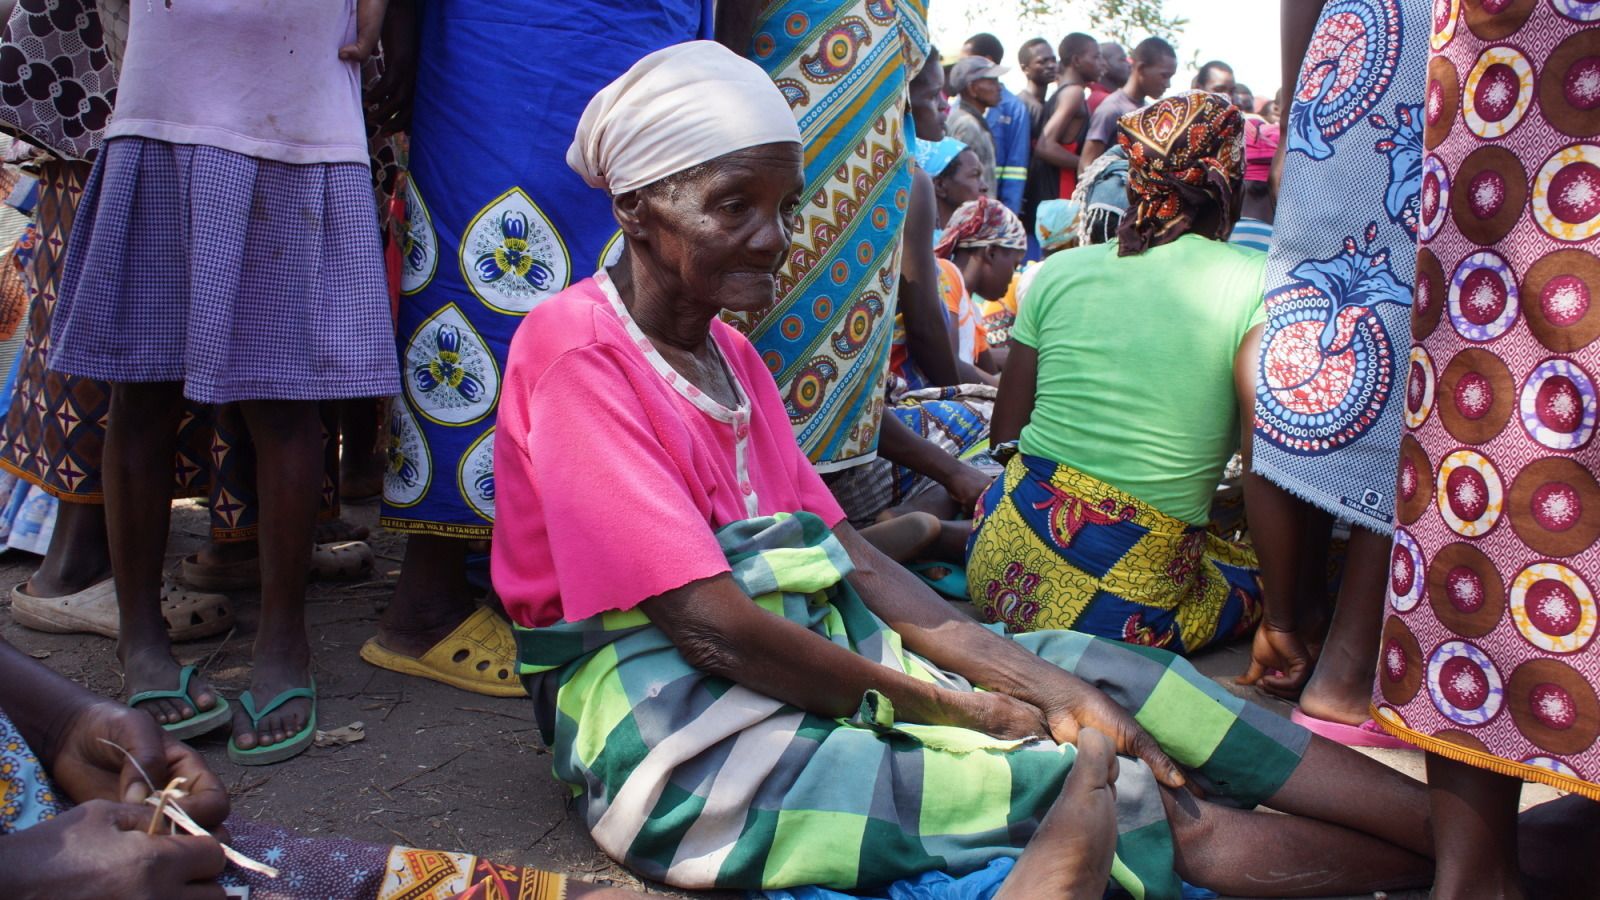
(1231, 264)
(575, 319)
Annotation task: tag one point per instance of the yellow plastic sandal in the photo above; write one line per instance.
(480, 656)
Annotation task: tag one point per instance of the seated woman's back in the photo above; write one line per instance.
(1135, 365)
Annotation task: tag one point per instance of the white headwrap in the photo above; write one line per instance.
(675, 109)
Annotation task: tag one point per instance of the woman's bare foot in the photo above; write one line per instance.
(277, 669)
(1070, 855)
(431, 598)
(154, 669)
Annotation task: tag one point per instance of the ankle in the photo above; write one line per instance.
(1476, 886)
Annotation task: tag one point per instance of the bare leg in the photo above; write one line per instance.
(1341, 685)
(1263, 854)
(953, 535)
(1316, 605)
(1338, 785)
(1290, 538)
(141, 439)
(432, 597)
(288, 438)
(79, 554)
(1070, 855)
(903, 538)
(1475, 826)
(935, 500)
(1556, 843)
(361, 461)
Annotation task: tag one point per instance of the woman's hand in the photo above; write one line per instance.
(369, 22)
(1282, 651)
(101, 850)
(87, 767)
(995, 714)
(1078, 705)
(966, 485)
(388, 100)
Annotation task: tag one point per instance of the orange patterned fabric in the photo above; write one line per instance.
(1185, 165)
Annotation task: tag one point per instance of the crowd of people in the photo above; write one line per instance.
(842, 452)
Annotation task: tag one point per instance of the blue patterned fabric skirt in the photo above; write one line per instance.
(1329, 390)
(243, 278)
(496, 224)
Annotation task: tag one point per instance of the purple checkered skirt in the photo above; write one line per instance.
(243, 278)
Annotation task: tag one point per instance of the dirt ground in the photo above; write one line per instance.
(437, 767)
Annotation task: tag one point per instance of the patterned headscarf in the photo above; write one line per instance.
(1053, 224)
(981, 223)
(935, 156)
(1185, 153)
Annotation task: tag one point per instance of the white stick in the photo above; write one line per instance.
(182, 820)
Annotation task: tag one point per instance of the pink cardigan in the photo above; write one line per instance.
(612, 471)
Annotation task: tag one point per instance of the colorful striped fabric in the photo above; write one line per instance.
(844, 68)
(696, 781)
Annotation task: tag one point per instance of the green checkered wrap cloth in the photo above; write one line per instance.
(695, 781)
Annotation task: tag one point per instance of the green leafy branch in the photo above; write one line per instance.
(1125, 21)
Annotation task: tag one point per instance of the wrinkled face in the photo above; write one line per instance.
(1116, 63)
(722, 230)
(924, 92)
(962, 181)
(1155, 78)
(1216, 81)
(1000, 266)
(1041, 68)
(986, 91)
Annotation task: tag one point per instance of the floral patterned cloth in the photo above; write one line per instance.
(844, 66)
(1339, 275)
(1185, 154)
(1489, 653)
(57, 79)
(496, 224)
(27, 796)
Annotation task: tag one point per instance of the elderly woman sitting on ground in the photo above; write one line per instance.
(741, 692)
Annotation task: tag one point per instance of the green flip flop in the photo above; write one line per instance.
(953, 584)
(271, 753)
(201, 722)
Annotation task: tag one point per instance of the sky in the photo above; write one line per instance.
(1243, 33)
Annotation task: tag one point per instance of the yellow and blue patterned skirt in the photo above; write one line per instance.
(1053, 548)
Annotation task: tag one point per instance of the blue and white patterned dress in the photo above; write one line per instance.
(1339, 277)
(497, 223)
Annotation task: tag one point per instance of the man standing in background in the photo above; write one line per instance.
(1040, 66)
(1154, 64)
(1010, 127)
(1055, 151)
(1114, 73)
(1038, 62)
(974, 82)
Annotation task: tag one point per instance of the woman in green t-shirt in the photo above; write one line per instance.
(1129, 365)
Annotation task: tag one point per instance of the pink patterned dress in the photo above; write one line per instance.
(1489, 653)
